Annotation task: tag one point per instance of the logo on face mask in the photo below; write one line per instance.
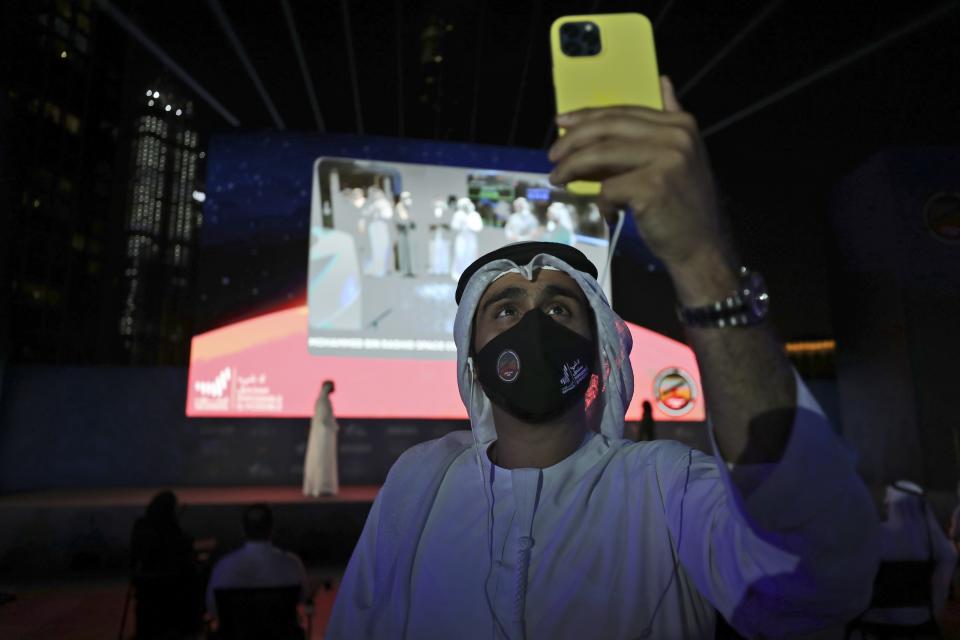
(508, 366)
(573, 374)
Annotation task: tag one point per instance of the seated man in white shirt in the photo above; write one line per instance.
(257, 563)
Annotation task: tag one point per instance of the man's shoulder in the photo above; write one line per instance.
(226, 565)
(434, 451)
(424, 464)
(291, 560)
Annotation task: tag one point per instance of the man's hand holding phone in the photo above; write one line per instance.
(654, 163)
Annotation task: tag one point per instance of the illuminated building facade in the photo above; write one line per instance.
(163, 215)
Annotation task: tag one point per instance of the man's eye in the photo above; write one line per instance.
(556, 310)
(506, 312)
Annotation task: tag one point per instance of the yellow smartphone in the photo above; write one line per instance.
(603, 60)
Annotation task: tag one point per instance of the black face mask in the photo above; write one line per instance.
(536, 369)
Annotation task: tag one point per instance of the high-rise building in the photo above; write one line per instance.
(162, 218)
(438, 107)
(61, 70)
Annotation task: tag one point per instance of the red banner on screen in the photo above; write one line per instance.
(261, 368)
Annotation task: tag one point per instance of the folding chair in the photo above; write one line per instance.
(257, 613)
(901, 584)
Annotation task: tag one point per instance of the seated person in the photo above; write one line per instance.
(257, 563)
(911, 532)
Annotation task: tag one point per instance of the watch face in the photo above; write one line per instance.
(758, 300)
(759, 305)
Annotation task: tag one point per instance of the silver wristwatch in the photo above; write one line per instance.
(745, 307)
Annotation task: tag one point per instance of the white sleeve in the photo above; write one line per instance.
(353, 608)
(779, 549)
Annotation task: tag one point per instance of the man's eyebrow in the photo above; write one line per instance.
(508, 293)
(553, 290)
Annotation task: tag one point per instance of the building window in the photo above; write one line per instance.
(64, 8)
(60, 27)
(72, 124)
(51, 112)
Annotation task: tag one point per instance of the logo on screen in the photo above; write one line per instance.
(508, 366)
(675, 392)
(213, 388)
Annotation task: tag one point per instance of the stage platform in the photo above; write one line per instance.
(70, 533)
(139, 497)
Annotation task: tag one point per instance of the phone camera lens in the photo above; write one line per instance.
(579, 39)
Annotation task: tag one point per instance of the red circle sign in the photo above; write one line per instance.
(675, 392)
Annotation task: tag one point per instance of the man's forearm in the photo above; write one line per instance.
(748, 383)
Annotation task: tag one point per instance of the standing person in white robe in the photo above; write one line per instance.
(320, 465)
(379, 211)
(466, 224)
(405, 229)
(439, 257)
(560, 227)
(543, 521)
(522, 225)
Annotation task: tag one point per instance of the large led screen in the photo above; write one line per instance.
(326, 257)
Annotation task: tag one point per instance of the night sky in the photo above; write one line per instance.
(776, 168)
(257, 212)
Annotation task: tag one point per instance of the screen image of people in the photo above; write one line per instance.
(388, 242)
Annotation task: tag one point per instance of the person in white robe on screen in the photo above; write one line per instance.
(560, 227)
(320, 464)
(405, 229)
(522, 225)
(466, 224)
(439, 257)
(378, 211)
(542, 521)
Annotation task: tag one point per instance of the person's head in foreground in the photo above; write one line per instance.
(258, 523)
(163, 512)
(534, 331)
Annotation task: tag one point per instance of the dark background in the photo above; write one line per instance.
(838, 83)
(776, 168)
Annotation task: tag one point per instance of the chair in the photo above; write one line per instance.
(167, 605)
(723, 630)
(900, 584)
(256, 613)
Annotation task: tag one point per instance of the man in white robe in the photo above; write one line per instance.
(320, 476)
(528, 527)
(522, 225)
